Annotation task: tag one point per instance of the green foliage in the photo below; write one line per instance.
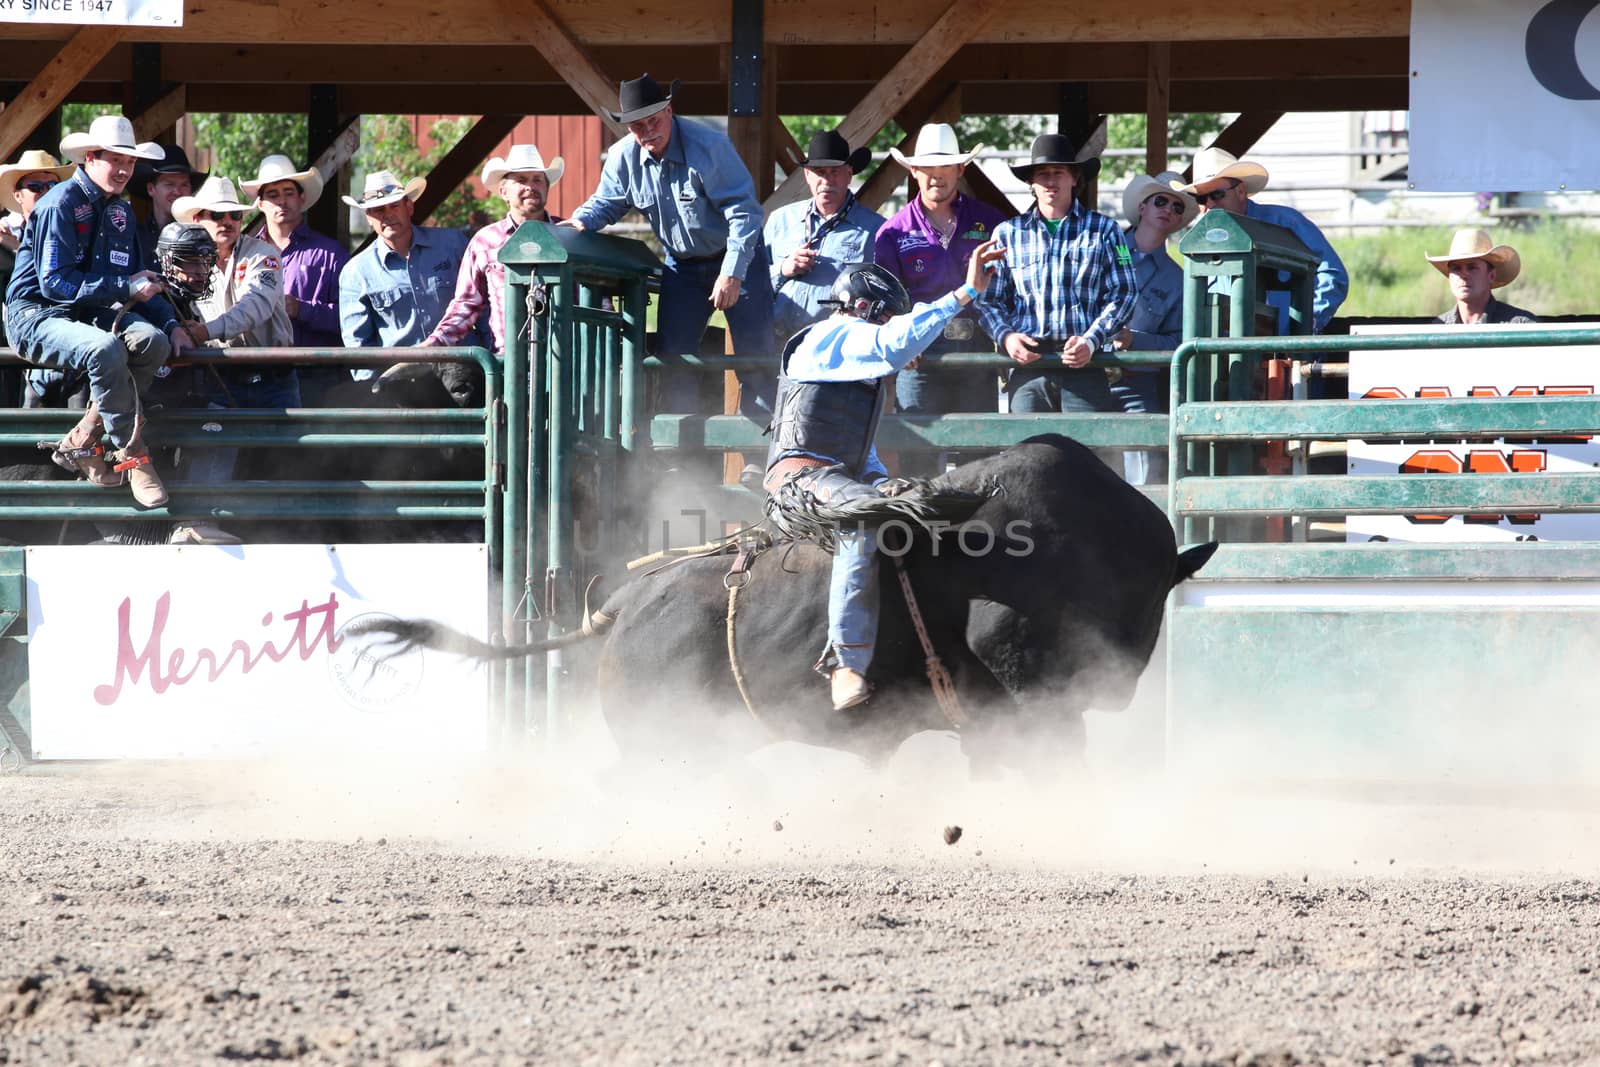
(388, 143)
(1390, 277)
(237, 143)
(1189, 129)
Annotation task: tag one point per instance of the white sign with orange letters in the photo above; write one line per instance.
(164, 652)
(94, 12)
(1480, 372)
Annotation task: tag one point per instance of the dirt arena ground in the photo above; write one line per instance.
(796, 909)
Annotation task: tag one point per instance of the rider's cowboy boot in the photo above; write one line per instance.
(148, 492)
(73, 451)
(849, 688)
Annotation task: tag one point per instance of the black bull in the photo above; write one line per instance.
(1048, 600)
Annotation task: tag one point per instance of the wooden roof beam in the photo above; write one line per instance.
(960, 23)
(163, 114)
(462, 161)
(50, 87)
(570, 59)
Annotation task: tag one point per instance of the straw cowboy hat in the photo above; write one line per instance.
(519, 158)
(936, 147)
(217, 194)
(1212, 165)
(1143, 187)
(34, 159)
(641, 98)
(1057, 150)
(1475, 244)
(830, 149)
(109, 133)
(382, 187)
(281, 169)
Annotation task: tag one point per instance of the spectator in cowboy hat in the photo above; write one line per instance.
(394, 291)
(811, 240)
(79, 261)
(1155, 211)
(1065, 288)
(926, 245)
(22, 183)
(1476, 267)
(244, 308)
(162, 182)
(311, 262)
(687, 179)
(1224, 181)
(523, 180)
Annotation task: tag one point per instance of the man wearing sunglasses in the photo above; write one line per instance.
(21, 185)
(1226, 183)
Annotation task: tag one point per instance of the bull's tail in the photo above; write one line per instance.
(1191, 560)
(396, 637)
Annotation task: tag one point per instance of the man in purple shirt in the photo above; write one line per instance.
(926, 245)
(311, 264)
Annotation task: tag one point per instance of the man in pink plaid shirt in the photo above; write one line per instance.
(523, 180)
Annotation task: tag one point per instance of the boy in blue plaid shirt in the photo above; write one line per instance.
(1064, 289)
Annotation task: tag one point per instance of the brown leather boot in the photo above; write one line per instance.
(148, 492)
(849, 688)
(80, 451)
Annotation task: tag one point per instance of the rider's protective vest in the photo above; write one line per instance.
(836, 421)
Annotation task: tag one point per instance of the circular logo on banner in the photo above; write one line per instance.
(366, 673)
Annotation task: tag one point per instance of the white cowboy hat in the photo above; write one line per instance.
(1475, 244)
(281, 169)
(936, 147)
(1142, 187)
(110, 133)
(382, 187)
(521, 157)
(34, 159)
(217, 194)
(1211, 165)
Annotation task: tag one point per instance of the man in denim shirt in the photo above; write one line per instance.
(811, 241)
(688, 181)
(393, 292)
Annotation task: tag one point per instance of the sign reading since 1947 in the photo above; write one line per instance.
(94, 12)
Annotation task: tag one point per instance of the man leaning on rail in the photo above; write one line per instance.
(822, 451)
(81, 300)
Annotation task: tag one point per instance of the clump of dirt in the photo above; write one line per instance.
(42, 1001)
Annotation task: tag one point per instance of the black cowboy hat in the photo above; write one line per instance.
(830, 149)
(641, 98)
(1056, 150)
(176, 162)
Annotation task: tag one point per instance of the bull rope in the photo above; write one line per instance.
(944, 687)
(735, 580)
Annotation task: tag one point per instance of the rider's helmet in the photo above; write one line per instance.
(186, 255)
(869, 292)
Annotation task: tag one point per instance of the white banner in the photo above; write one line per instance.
(164, 652)
(1505, 95)
(94, 12)
(1439, 373)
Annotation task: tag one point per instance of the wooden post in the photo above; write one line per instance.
(1157, 105)
(45, 93)
(1079, 124)
(323, 126)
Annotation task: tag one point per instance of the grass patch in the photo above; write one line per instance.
(1389, 276)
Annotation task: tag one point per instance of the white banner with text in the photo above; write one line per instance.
(1483, 372)
(94, 12)
(1505, 95)
(165, 652)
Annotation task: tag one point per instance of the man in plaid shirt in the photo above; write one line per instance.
(1065, 288)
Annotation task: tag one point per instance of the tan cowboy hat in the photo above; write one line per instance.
(281, 169)
(1142, 187)
(217, 194)
(34, 159)
(936, 147)
(110, 133)
(382, 187)
(1211, 165)
(521, 157)
(1475, 244)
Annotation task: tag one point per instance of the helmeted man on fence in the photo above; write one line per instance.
(1476, 267)
(81, 300)
(822, 455)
